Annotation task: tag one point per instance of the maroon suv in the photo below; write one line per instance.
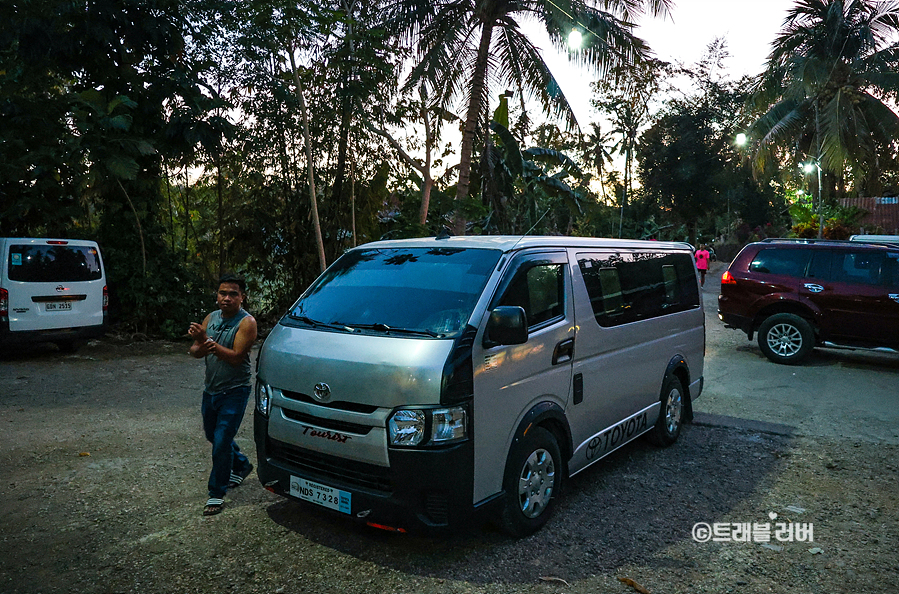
(798, 294)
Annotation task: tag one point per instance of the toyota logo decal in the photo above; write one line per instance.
(321, 392)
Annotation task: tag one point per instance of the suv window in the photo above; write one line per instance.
(788, 262)
(540, 291)
(860, 268)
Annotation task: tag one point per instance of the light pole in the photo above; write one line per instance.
(808, 168)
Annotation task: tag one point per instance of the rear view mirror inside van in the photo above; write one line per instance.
(507, 326)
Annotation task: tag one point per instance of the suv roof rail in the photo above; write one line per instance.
(803, 240)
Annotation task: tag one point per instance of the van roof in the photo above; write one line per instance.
(507, 243)
(47, 240)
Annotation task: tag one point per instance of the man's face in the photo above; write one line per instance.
(229, 298)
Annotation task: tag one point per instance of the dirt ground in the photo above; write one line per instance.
(106, 468)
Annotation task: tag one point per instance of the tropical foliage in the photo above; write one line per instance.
(266, 137)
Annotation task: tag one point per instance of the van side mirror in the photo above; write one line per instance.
(507, 325)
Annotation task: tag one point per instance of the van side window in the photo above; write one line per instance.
(540, 291)
(860, 268)
(627, 287)
(781, 261)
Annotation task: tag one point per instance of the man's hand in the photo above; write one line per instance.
(197, 332)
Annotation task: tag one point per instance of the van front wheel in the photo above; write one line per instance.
(533, 477)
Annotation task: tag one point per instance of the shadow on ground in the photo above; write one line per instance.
(625, 509)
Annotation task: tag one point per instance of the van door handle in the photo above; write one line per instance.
(563, 352)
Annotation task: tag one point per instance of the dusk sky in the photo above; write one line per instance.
(748, 27)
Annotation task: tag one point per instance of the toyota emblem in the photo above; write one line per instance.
(321, 392)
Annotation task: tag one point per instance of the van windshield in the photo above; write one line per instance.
(398, 291)
(53, 263)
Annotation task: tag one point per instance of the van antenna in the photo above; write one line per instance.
(531, 229)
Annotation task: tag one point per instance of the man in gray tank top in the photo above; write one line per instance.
(224, 340)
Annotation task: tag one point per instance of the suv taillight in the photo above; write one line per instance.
(4, 303)
(727, 279)
(105, 299)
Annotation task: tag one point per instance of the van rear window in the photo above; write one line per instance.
(53, 263)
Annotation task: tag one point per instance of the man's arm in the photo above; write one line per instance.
(243, 342)
(202, 345)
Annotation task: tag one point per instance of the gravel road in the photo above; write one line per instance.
(106, 470)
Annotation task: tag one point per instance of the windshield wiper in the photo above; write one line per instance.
(388, 329)
(317, 324)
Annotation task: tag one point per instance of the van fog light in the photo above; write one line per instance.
(449, 425)
(406, 427)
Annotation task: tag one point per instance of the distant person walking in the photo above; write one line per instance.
(224, 340)
(702, 262)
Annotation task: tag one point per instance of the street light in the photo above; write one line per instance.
(808, 168)
(741, 139)
(575, 39)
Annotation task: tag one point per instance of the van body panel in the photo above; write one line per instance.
(382, 371)
(602, 380)
(510, 380)
(55, 288)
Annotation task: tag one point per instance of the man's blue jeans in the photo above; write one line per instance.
(222, 414)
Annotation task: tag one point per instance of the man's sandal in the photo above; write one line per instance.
(214, 506)
(238, 477)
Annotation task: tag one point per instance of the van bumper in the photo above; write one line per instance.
(11, 337)
(421, 490)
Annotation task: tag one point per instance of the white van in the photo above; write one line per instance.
(51, 290)
(424, 382)
(876, 238)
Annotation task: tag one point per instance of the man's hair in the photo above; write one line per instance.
(232, 278)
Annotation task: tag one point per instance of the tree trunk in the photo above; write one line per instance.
(309, 161)
(471, 121)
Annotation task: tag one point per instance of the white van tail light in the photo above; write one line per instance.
(105, 299)
(57, 242)
(4, 303)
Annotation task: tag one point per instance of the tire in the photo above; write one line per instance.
(671, 414)
(786, 338)
(532, 482)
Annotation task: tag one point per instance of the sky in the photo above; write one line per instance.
(748, 26)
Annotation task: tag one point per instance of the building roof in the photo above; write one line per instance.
(882, 217)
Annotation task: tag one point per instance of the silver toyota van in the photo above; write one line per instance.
(427, 382)
(51, 290)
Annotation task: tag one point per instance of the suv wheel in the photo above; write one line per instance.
(786, 338)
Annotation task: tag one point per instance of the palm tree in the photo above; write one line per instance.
(466, 46)
(830, 70)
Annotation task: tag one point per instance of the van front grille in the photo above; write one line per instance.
(325, 467)
(340, 426)
(337, 404)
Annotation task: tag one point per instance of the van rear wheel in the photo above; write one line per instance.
(532, 481)
(671, 414)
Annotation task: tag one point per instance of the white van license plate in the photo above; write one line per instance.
(321, 494)
(58, 306)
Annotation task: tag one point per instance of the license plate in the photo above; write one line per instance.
(320, 494)
(58, 306)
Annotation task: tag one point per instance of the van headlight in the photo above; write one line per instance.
(263, 398)
(427, 426)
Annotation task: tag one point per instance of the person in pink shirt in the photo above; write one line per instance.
(702, 262)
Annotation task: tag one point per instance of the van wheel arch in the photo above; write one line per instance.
(678, 368)
(551, 417)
